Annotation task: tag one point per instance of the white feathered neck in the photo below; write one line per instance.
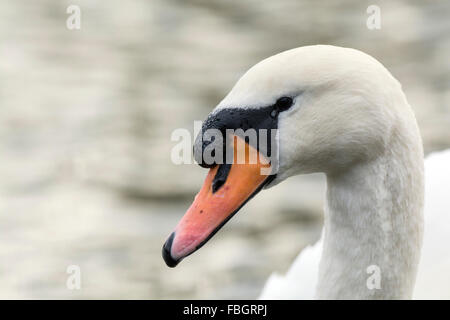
(373, 217)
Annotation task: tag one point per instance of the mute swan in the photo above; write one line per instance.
(340, 112)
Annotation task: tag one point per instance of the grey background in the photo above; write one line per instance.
(85, 123)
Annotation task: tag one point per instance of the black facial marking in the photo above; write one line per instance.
(238, 118)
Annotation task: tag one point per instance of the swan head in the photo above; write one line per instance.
(331, 108)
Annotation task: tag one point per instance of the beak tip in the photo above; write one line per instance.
(166, 252)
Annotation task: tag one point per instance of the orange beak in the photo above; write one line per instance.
(214, 205)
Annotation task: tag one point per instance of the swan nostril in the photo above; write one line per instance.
(221, 177)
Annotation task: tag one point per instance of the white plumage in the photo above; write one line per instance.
(433, 279)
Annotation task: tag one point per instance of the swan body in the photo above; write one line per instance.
(433, 278)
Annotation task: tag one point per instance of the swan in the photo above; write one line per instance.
(340, 112)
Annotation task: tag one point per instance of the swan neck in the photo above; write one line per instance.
(373, 227)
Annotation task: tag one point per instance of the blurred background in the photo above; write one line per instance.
(86, 118)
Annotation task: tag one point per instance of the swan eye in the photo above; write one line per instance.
(283, 103)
